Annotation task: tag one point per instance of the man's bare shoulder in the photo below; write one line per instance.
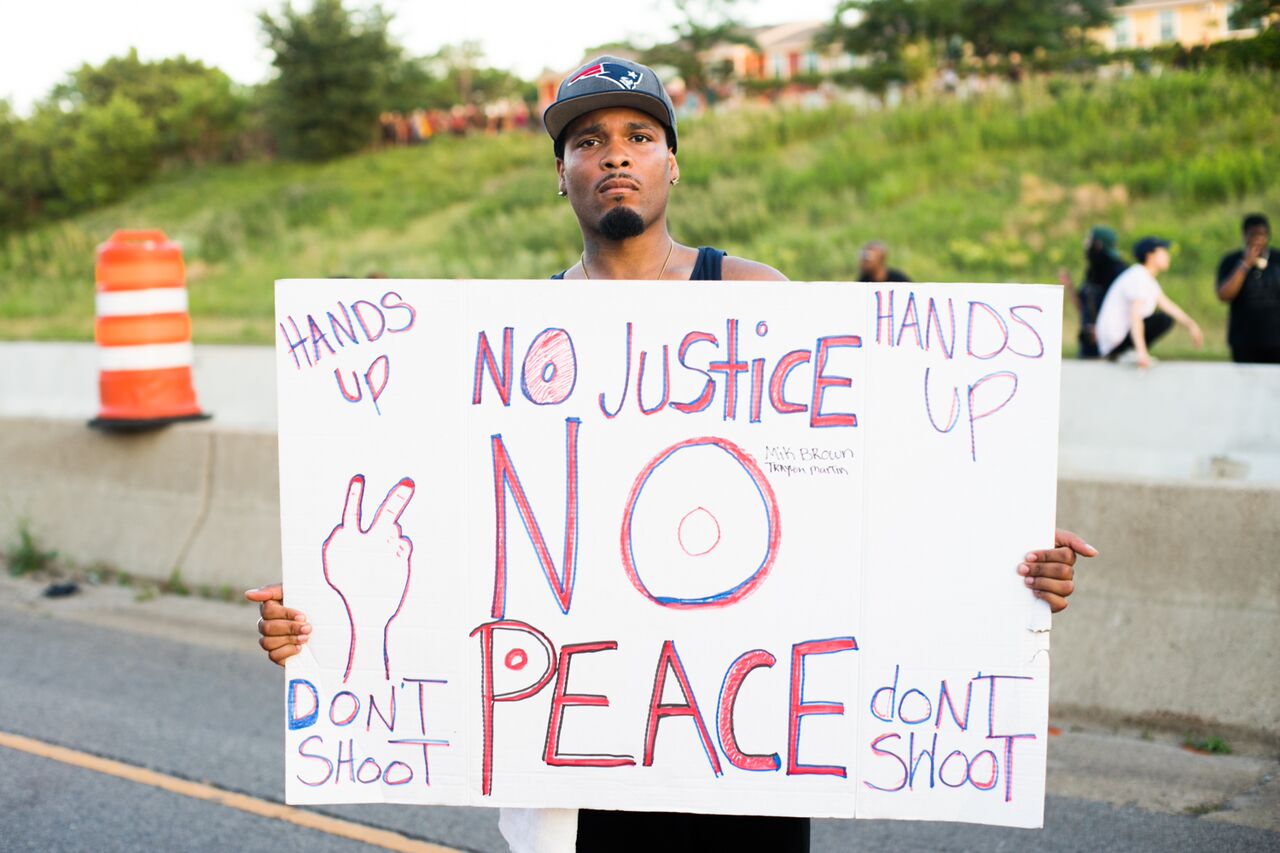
(741, 269)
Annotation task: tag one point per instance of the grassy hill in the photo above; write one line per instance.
(994, 189)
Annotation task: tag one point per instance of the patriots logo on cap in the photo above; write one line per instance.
(624, 77)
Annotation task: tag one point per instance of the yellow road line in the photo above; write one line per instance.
(263, 808)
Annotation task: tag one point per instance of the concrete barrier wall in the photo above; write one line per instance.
(1179, 616)
(1177, 420)
(192, 498)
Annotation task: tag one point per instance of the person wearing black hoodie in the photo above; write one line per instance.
(1103, 265)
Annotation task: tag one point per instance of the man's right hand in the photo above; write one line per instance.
(1252, 251)
(282, 630)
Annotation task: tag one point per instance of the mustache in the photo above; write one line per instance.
(616, 176)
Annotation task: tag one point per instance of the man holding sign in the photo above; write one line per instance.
(614, 132)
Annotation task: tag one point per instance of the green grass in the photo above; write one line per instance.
(995, 189)
(26, 555)
(1211, 744)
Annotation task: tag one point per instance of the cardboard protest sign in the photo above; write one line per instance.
(731, 548)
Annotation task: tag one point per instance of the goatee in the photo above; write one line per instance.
(620, 223)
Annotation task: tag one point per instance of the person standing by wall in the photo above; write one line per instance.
(1249, 282)
(873, 264)
(1103, 265)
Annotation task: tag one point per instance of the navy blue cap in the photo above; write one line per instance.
(610, 81)
(1146, 246)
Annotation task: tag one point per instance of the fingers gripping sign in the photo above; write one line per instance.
(282, 631)
(369, 569)
(1050, 573)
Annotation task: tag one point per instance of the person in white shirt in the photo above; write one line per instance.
(1136, 311)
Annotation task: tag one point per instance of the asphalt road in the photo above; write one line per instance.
(177, 686)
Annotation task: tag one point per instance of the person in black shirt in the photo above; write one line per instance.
(872, 264)
(1249, 281)
(1103, 265)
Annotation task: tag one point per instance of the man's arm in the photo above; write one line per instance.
(741, 269)
(1069, 286)
(1229, 283)
(1171, 308)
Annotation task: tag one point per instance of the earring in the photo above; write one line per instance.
(562, 193)
(675, 181)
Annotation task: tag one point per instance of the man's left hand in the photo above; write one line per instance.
(1051, 573)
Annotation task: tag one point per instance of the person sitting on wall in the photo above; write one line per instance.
(1136, 312)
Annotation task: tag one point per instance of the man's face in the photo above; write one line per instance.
(1159, 259)
(1258, 235)
(617, 160)
(871, 260)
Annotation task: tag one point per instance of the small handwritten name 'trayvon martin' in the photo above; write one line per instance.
(807, 461)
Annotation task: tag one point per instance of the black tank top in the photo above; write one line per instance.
(708, 266)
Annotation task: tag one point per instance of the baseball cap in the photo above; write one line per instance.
(1106, 238)
(1146, 246)
(610, 81)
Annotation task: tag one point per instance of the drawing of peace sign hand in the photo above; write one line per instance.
(369, 570)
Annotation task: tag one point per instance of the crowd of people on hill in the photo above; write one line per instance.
(418, 126)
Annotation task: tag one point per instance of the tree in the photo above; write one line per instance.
(1249, 14)
(412, 84)
(105, 129)
(1003, 26)
(332, 77)
(113, 150)
(458, 63)
(452, 75)
(703, 24)
(884, 27)
(205, 120)
(196, 110)
(26, 176)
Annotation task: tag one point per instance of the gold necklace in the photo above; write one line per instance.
(670, 248)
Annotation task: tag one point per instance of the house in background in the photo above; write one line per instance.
(1147, 23)
(792, 51)
(782, 52)
(785, 52)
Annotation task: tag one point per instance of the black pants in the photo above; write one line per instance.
(1088, 342)
(663, 832)
(1256, 355)
(1154, 327)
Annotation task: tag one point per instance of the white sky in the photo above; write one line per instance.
(42, 40)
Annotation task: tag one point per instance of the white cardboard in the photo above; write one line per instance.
(841, 600)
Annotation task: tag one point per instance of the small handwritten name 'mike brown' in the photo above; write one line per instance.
(815, 461)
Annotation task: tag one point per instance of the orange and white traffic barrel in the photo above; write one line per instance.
(143, 332)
